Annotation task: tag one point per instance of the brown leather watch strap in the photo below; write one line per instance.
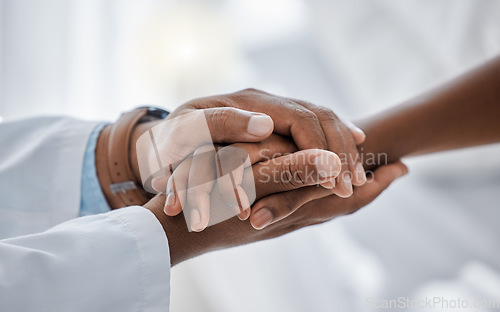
(114, 171)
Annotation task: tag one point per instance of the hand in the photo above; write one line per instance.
(166, 144)
(310, 126)
(217, 185)
(185, 245)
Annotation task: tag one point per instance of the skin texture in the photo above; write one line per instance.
(463, 113)
(310, 127)
(233, 232)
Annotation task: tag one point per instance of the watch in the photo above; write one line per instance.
(114, 171)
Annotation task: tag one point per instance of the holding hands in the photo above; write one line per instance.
(215, 157)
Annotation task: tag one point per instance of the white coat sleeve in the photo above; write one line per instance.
(41, 163)
(117, 261)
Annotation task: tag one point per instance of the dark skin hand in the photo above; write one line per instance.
(233, 232)
(463, 113)
(310, 126)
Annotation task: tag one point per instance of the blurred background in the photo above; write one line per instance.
(433, 234)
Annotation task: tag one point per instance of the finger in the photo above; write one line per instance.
(343, 182)
(358, 134)
(170, 142)
(329, 207)
(340, 142)
(202, 175)
(272, 147)
(277, 206)
(382, 178)
(303, 168)
(355, 165)
(176, 188)
(231, 125)
(231, 164)
(353, 158)
(290, 119)
(159, 184)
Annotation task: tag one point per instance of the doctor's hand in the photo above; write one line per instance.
(310, 127)
(184, 244)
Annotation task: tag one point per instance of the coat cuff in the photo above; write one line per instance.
(154, 252)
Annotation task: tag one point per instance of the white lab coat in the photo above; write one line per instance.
(50, 260)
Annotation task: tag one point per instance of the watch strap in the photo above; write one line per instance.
(118, 182)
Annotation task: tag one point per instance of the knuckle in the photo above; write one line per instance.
(302, 113)
(221, 117)
(326, 114)
(283, 177)
(223, 101)
(251, 91)
(295, 175)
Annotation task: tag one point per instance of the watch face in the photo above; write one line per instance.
(154, 113)
(158, 112)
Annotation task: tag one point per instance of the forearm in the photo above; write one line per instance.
(463, 113)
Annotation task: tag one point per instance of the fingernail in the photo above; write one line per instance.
(360, 172)
(169, 202)
(244, 214)
(195, 220)
(403, 173)
(262, 218)
(328, 185)
(170, 199)
(346, 180)
(358, 130)
(327, 165)
(260, 125)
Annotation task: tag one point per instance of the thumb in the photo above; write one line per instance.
(382, 178)
(231, 125)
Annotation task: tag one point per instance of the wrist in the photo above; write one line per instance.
(392, 135)
(183, 244)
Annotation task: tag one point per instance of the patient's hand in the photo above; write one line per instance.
(185, 244)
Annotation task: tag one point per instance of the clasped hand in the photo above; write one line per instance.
(215, 162)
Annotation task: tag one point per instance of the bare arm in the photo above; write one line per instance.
(462, 113)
